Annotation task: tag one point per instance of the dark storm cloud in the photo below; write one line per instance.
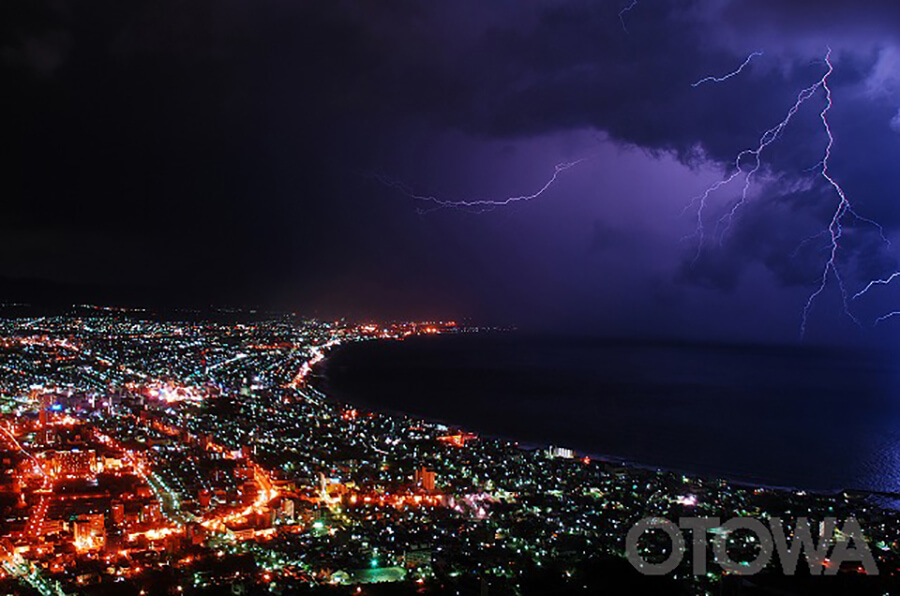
(832, 15)
(572, 67)
(605, 237)
(218, 144)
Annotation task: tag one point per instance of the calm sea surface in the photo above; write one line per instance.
(810, 418)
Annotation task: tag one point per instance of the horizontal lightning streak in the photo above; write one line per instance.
(479, 205)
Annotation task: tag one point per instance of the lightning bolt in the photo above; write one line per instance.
(883, 318)
(477, 205)
(877, 282)
(748, 163)
(835, 228)
(623, 12)
(734, 73)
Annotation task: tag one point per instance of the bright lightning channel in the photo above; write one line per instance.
(752, 160)
(877, 282)
(835, 228)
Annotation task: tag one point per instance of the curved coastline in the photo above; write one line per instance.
(323, 380)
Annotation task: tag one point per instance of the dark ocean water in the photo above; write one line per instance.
(818, 419)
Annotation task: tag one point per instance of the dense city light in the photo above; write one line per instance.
(202, 454)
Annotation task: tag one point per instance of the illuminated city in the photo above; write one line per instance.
(171, 455)
(466, 298)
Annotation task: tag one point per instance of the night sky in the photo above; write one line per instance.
(237, 152)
